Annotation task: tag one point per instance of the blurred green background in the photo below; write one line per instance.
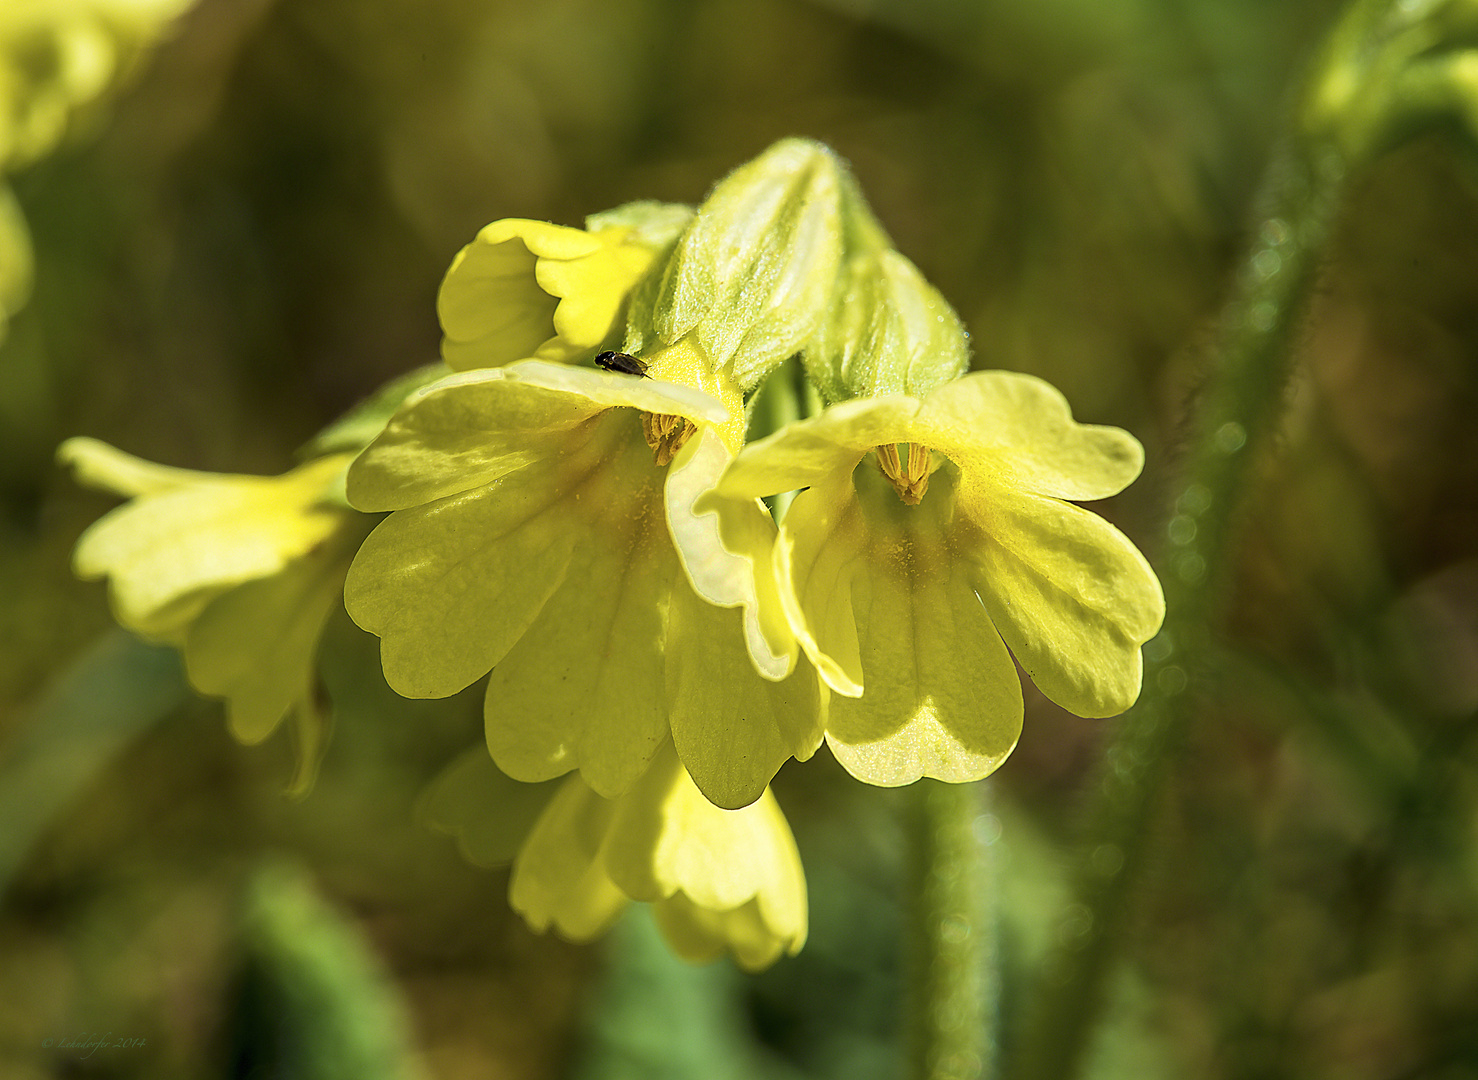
(247, 236)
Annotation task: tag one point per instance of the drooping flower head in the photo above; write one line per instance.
(542, 522)
(932, 535)
(239, 572)
(597, 545)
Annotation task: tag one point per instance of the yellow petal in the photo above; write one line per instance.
(169, 552)
(558, 880)
(1018, 431)
(532, 289)
(733, 729)
(473, 428)
(241, 572)
(809, 452)
(312, 723)
(699, 934)
(820, 550)
(606, 389)
(726, 552)
(1071, 595)
(593, 291)
(255, 645)
(583, 687)
(491, 307)
(451, 586)
(941, 696)
(98, 465)
(666, 838)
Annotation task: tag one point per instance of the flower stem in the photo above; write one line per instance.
(1249, 367)
(954, 971)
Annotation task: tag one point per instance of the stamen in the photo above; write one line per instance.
(666, 434)
(911, 480)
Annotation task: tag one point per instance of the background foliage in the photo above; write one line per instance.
(248, 237)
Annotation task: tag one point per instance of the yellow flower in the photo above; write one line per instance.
(529, 289)
(239, 572)
(17, 261)
(719, 880)
(933, 534)
(55, 57)
(530, 537)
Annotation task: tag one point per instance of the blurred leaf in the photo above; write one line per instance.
(111, 694)
(659, 1018)
(312, 1003)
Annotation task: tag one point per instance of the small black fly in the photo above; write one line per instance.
(622, 363)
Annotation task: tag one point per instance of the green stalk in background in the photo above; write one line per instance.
(1382, 75)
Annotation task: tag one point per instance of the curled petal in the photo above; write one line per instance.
(490, 304)
(531, 289)
(726, 552)
(476, 427)
(822, 543)
(809, 451)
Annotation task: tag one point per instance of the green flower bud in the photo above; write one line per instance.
(785, 258)
(755, 273)
(888, 332)
(650, 223)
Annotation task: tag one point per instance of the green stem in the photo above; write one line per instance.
(784, 397)
(1250, 364)
(954, 965)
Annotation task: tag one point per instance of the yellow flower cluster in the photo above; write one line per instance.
(597, 544)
